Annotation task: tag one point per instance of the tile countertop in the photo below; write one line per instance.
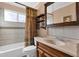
(70, 48)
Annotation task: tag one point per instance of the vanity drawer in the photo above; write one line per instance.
(50, 51)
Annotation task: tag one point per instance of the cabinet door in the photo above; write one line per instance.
(40, 53)
(46, 55)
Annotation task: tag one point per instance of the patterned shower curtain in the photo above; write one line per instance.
(30, 25)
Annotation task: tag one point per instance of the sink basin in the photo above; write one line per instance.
(55, 42)
(51, 40)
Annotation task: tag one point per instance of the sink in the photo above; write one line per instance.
(51, 40)
(55, 42)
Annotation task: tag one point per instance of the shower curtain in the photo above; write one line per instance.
(30, 25)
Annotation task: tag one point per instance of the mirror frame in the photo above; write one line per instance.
(46, 5)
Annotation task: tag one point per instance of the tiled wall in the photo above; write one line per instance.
(71, 32)
(10, 32)
(10, 36)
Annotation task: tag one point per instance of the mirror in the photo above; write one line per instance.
(60, 12)
(49, 19)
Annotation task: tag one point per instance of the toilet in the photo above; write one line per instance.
(30, 51)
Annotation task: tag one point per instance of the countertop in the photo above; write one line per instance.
(70, 48)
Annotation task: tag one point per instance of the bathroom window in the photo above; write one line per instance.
(10, 16)
(21, 18)
(13, 16)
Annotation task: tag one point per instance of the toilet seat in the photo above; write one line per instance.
(28, 48)
(30, 51)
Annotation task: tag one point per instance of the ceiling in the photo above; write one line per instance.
(34, 5)
(30, 4)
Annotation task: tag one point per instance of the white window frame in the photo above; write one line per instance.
(17, 19)
(12, 12)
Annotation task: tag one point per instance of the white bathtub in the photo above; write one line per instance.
(12, 50)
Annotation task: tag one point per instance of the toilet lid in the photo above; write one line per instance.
(29, 48)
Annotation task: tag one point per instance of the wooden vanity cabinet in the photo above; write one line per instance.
(46, 51)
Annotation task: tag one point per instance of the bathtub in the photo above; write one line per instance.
(12, 50)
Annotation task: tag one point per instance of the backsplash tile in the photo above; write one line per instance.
(11, 35)
(67, 31)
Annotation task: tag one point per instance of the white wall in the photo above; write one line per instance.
(40, 8)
